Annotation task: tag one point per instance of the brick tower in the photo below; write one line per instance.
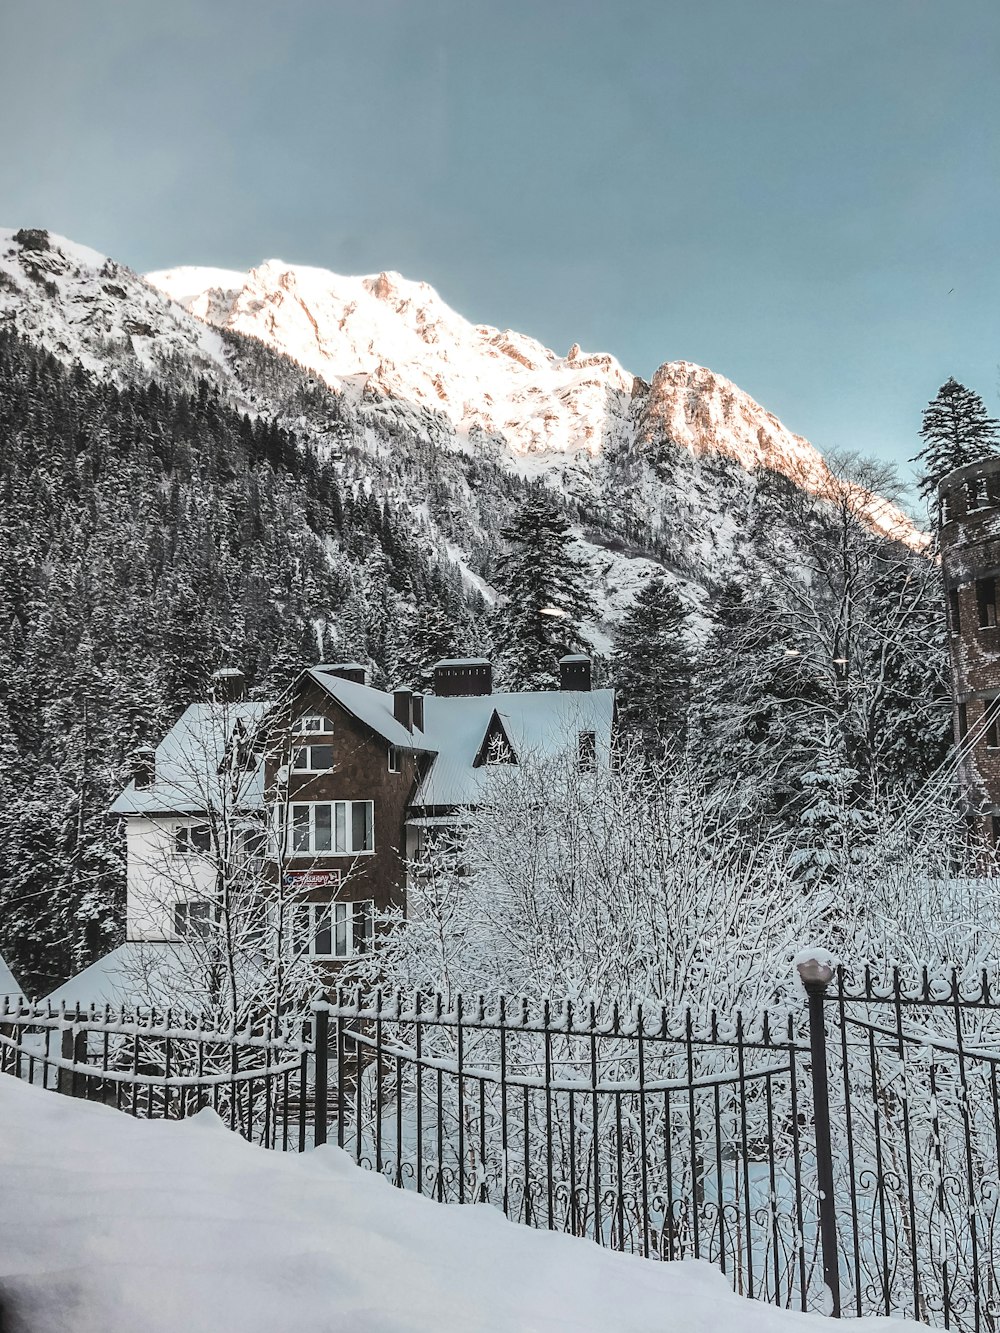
(969, 518)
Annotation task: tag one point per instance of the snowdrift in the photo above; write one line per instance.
(109, 1225)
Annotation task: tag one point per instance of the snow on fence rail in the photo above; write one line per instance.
(842, 1156)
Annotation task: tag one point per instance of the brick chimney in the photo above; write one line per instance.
(402, 708)
(457, 676)
(574, 672)
(353, 671)
(228, 685)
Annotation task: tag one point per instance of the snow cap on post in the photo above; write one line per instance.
(816, 968)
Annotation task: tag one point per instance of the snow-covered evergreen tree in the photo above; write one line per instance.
(956, 430)
(652, 665)
(543, 595)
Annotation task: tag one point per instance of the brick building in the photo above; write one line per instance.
(329, 791)
(969, 517)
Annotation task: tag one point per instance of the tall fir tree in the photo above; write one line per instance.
(543, 599)
(652, 666)
(956, 430)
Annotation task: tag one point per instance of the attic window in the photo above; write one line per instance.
(315, 724)
(586, 751)
(496, 747)
(395, 759)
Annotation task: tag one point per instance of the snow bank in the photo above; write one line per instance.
(109, 1225)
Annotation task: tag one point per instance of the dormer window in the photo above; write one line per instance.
(315, 724)
(313, 759)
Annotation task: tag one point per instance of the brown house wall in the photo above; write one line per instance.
(360, 773)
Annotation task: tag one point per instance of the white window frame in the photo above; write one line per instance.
(342, 919)
(206, 920)
(395, 759)
(314, 724)
(178, 847)
(310, 767)
(341, 828)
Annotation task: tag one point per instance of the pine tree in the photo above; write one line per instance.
(652, 665)
(543, 601)
(956, 431)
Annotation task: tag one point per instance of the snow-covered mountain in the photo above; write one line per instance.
(384, 337)
(682, 474)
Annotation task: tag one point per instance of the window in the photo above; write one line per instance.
(342, 828)
(963, 721)
(193, 918)
(986, 600)
(995, 830)
(954, 612)
(991, 716)
(395, 759)
(974, 493)
(192, 840)
(315, 724)
(313, 759)
(947, 507)
(586, 750)
(332, 930)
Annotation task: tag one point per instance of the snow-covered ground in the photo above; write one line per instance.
(109, 1224)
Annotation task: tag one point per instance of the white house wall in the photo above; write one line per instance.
(158, 878)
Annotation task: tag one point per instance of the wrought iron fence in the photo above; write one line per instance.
(166, 1065)
(842, 1156)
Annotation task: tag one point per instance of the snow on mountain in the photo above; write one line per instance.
(85, 307)
(663, 476)
(383, 336)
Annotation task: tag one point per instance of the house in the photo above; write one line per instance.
(329, 791)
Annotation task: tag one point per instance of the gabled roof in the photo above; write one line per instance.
(188, 759)
(370, 706)
(9, 989)
(496, 746)
(540, 722)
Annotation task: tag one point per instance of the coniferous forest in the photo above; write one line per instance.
(150, 533)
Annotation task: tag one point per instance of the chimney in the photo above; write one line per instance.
(418, 712)
(142, 762)
(574, 672)
(353, 671)
(228, 686)
(461, 676)
(402, 708)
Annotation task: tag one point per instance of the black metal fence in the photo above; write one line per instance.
(842, 1156)
(166, 1065)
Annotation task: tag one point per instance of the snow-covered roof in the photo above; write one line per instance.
(540, 722)
(9, 989)
(139, 973)
(187, 762)
(372, 707)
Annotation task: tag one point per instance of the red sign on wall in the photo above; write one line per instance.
(312, 879)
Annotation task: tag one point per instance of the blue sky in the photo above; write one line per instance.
(803, 195)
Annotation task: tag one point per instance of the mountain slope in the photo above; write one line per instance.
(384, 337)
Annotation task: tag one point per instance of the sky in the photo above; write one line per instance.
(803, 195)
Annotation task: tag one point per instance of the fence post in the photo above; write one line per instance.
(322, 1042)
(816, 977)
